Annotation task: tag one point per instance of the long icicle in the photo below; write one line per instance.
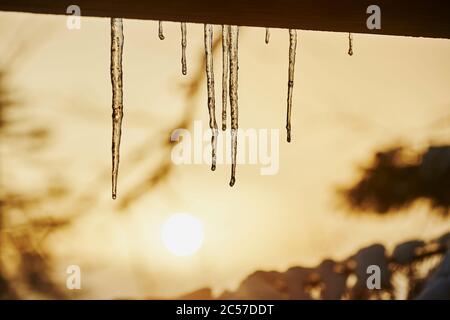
(292, 50)
(160, 31)
(183, 48)
(210, 86)
(225, 72)
(350, 44)
(234, 38)
(267, 35)
(117, 96)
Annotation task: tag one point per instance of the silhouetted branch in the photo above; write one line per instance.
(394, 181)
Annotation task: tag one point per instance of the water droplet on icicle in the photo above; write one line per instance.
(234, 37)
(117, 96)
(292, 51)
(183, 48)
(225, 72)
(210, 86)
(267, 35)
(160, 31)
(350, 44)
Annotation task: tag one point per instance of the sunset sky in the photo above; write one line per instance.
(392, 90)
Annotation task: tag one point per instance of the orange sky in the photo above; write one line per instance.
(392, 89)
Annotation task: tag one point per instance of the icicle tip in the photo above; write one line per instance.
(350, 44)
(160, 31)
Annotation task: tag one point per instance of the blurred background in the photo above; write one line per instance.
(368, 168)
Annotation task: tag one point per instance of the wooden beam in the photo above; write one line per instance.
(420, 18)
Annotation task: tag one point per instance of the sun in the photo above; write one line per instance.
(182, 234)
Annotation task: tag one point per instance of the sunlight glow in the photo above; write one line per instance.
(182, 234)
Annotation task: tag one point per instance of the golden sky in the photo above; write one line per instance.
(393, 89)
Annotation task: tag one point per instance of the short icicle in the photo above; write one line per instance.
(225, 72)
(292, 50)
(267, 35)
(350, 44)
(234, 37)
(160, 31)
(210, 86)
(117, 96)
(183, 48)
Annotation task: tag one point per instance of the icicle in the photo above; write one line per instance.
(292, 50)
(160, 31)
(210, 84)
(267, 35)
(117, 96)
(350, 44)
(234, 36)
(183, 48)
(225, 72)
